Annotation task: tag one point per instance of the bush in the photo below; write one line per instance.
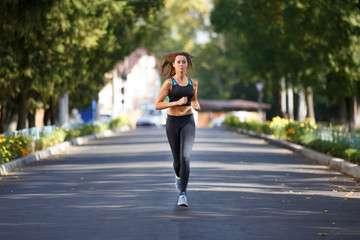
(71, 133)
(278, 127)
(232, 121)
(301, 133)
(352, 154)
(307, 138)
(265, 128)
(119, 122)
(54, 138)
(13, 147)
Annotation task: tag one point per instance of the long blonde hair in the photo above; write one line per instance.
(167, 69)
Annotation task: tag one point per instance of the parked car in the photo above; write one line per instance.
(152, 118)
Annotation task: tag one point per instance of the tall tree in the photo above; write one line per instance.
(52, 47)
(311, 40)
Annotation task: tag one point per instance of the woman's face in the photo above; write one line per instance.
(180, 63)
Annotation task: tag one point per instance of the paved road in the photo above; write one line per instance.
(122, 188)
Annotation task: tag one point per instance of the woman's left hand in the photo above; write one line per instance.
(197, 106)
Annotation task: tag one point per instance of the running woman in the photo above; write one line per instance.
(180, 124)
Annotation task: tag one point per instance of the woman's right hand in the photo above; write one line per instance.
(182, 101)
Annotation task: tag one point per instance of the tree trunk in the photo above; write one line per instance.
(337, 113)
(357, 115)
(283, 97)
(64, 109)
(46, 117)
(310, 103)
(277, 102)
(351, 105)
(50, 116)
(290, 94)
(31, 120)
(302, 109)
(218, 79)
(47, 113)
(22, 111)
(10, 118)
(53, 115)
(2, 118)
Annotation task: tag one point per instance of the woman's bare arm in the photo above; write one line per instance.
(194, 102)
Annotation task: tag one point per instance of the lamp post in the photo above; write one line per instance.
(259, 88)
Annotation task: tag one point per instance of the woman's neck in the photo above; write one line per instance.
(180, 76)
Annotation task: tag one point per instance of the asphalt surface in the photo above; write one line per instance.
(122, 187)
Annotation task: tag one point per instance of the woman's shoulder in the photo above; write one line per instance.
(194, 82)
(168, 81)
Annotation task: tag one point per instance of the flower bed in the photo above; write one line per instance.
(13, 147)
(302, 133)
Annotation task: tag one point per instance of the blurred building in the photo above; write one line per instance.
(133, 86)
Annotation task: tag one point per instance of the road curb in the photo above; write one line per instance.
(320, 158)
(56, 149)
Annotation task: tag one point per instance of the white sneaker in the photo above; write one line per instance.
(183, 200)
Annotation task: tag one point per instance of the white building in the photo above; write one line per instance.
(134, 86)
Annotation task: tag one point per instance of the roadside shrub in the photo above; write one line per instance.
(278, 127)
(352, 154)
(119, 122)
(232, 121)
(253, 125)
(301, 133)
(71, 133)
(13, 147)
(294, 131)
(265, 128)
(54, 138)
(334, 149)
(91, 129)
(307, 138)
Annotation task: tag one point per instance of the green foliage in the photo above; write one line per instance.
(295, 131)
(179, 22)
(314, 43)
(54, 138)
(84, 130)
(231, 120)
(301, 133)
(307, 138)
(250, 125)
(338, 149)
(278, 126)
(119, 122)
(48, 48)
(15, 147)
(352, 155)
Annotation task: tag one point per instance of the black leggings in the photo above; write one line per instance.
(180, 131)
